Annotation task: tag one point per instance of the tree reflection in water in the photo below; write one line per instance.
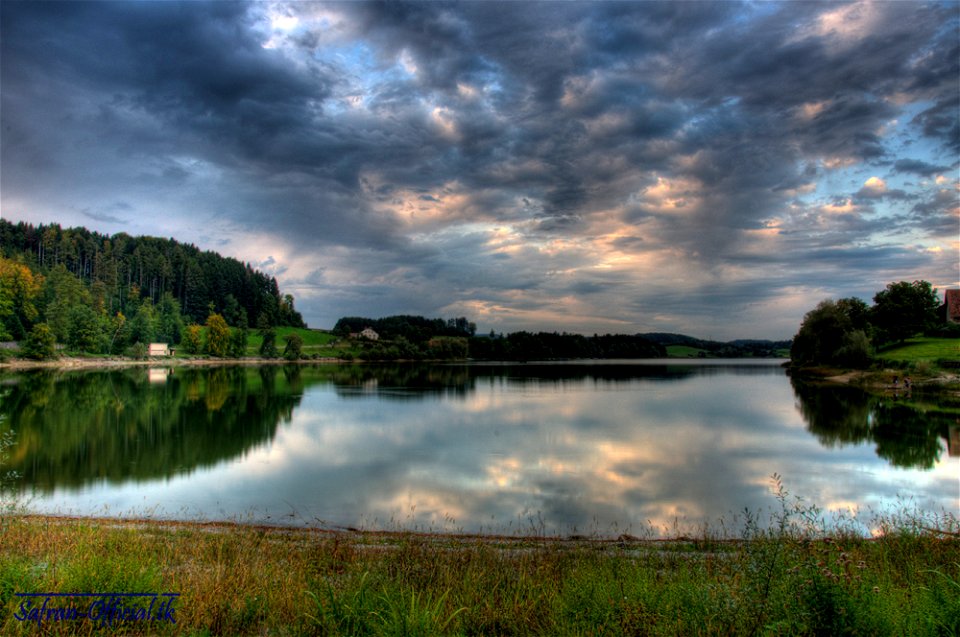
(75, 428)
(904, 434)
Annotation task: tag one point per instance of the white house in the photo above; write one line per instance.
(159, 349)
(369, 334)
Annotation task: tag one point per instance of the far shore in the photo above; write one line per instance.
(75, 362)
(110, 362)
(873, 381)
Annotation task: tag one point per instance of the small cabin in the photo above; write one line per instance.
(159, 349)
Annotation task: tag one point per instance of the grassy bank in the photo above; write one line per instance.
(787, 578)
(927, 360)
(923, 350)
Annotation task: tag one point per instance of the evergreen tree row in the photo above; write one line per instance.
(101, 293)
(121, 271)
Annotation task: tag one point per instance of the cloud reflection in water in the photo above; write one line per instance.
(576, 454)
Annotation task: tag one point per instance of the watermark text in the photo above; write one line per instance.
(104, 609)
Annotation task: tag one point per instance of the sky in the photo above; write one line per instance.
(709, 168)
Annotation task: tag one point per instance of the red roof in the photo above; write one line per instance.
(952, 300)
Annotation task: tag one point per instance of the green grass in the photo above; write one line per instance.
(790, 575)
(314, 341)
(923, 349)
(685, 351)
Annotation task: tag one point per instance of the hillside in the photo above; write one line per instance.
(117, 273)
(683, 346)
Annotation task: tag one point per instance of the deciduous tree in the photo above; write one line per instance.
(904, 309)
(193, 339)
(218, 336)
(19, 293)
(40, 343)
(829, 336)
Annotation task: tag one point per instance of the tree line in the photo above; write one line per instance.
(553, 345)
(415, 329)
(417, 337)
(846, 332)
(104, 294)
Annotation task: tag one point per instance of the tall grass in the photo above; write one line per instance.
(787, 573)
(9, 503)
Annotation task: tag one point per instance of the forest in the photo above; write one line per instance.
(102, 294)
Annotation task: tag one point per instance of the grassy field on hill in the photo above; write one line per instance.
(923, 349)
(685, 351)
(318, 342)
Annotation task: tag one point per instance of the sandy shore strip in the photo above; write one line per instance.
(76, 363)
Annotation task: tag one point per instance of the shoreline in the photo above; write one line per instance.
(364, 536)
(115, 362)
(80, 363)
(866, 379)
(876, 380)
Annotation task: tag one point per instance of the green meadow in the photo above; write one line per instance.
(317, 342)
(920, 349)
(685, 351)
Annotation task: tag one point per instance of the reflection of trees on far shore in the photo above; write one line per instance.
(404, 381)
(903, 435)
(76, 428)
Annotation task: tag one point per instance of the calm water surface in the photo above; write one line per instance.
(581, 447)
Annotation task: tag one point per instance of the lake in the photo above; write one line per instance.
(648, 448)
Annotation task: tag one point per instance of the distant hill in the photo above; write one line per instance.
(684, 345)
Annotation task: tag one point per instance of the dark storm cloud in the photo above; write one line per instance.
(402, 149)
(196, 66)
(918, 167)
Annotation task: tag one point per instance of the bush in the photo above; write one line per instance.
(238, 343)
(268, 347)
(40, 343)
(855, 351)
(138, 351)
(293, 348)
